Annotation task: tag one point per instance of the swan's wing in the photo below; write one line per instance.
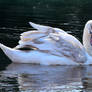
(41, 31)
(31, 35)
(52, 41)
(45, 28)
(70, 47)
(59, 44)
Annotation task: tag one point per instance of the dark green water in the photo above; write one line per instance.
(69, 15)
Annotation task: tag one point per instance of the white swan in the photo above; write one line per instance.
(51, 46)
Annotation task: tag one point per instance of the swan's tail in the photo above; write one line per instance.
(9, 52)
(4, 48)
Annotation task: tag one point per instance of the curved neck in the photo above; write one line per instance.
(87, 39)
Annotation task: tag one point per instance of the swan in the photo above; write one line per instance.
(51, 46)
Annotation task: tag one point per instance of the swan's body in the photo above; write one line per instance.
(36, 57)
(50, 46)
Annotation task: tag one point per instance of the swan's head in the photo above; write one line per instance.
(87, 37)
(88, 27)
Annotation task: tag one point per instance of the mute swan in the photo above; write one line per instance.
(51, 46)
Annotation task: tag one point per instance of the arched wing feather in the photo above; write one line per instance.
(45, 28)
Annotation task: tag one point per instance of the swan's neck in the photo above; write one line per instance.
(86, 40)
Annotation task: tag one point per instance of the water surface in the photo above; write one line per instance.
(36, 78)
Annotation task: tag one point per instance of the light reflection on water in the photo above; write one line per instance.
(37, 78)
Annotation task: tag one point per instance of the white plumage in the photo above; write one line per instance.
(51, 46)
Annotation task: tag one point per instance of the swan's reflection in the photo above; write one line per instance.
(36, 77)
(87, 79)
